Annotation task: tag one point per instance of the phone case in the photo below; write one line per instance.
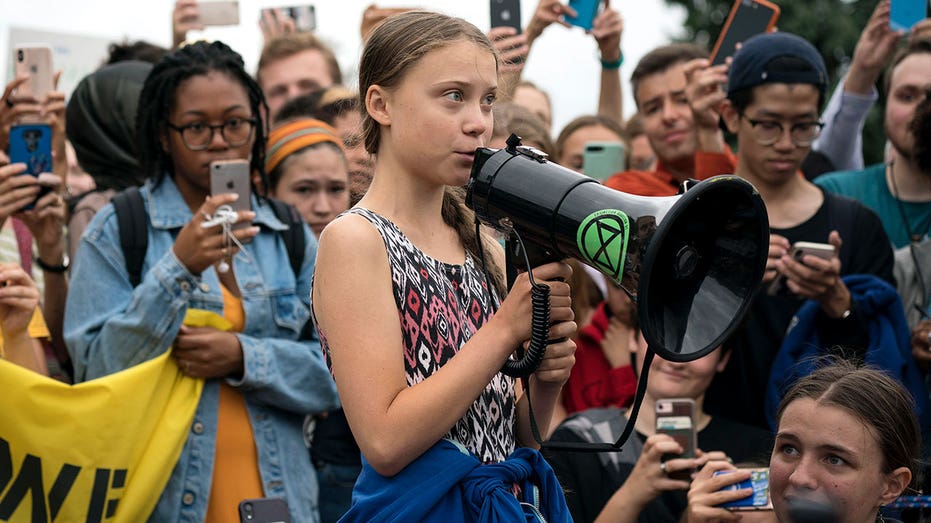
(264, 510)
(36, 61)
(601, 160)
(505, 13)
(759, 482)
(586, 9)
(31, 144)
(232, 176)
(904, 14)
(747, 18)
(676, 417)
(224, 12)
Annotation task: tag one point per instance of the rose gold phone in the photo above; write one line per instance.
(34, 60)
(218, 12)
(676, 417)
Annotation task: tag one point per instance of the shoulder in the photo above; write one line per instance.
(852, 182)
(351, 234)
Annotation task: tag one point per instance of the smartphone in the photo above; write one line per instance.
(31, 144)
(601, 160)
(505, 13)
(676, 417)
(220, 12)
(586, 11)
(747, 18)
(36, 61)
(264, 510)
(304, 16)
(759, 482)
(904, 14)
(232, 176)
(825, 251)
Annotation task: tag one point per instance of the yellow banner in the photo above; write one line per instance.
(102, 450)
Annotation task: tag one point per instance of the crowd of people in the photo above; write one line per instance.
(369, 316)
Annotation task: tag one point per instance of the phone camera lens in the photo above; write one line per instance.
(19, 55)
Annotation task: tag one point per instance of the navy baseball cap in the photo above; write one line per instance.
(779, 57)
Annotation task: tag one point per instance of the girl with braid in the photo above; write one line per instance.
(197, 106)
(415, 333)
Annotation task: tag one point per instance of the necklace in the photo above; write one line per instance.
(913, 238)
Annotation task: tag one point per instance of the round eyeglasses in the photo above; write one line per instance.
(198, 135)
(768, 132)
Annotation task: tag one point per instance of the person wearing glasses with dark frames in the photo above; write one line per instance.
(776, 87)
(261, 377)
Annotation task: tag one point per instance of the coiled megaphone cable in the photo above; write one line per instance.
(529, 362)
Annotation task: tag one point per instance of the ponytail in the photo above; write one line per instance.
(462, 220)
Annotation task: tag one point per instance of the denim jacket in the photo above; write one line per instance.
(110, 326)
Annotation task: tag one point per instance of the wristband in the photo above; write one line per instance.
(58, 269)
(613, 66)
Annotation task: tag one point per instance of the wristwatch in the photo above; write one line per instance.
(58, 269)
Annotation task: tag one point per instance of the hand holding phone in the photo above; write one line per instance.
(747, 18)
(758, 483)
(676, 418)
(31, 144)
(798, 251)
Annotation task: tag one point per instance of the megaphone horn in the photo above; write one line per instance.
(695, 259)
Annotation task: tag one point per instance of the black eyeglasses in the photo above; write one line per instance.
(768, 132)
(198, 135)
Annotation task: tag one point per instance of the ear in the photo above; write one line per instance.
(377, 103)
(166, 143)
(730, 116)
(722, 361)
(896, 483)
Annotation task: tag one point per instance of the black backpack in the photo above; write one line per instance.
(134, 237)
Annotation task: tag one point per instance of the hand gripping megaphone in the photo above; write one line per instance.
(695, 259)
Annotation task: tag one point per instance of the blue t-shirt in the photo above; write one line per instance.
(869, 187)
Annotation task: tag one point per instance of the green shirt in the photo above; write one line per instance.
(869, 187)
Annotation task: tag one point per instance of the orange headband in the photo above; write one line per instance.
(295, 135)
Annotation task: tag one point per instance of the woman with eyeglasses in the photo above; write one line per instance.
(199, 106)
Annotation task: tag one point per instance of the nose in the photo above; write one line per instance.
(668, 112)
(785, 143)
(803, 476)
(321, 204)
(477, 121)
(217, 141)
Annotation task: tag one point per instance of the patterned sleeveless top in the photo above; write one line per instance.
(440, 306)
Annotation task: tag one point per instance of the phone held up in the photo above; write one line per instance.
(264, 510)
(676, 418)
(218, 12)
(34, 60)
(746, 19)
(505, 13)
(759, 499)
(601, 160)
(798, 251)
(904, 14)
(586, 11)
(232, 176)
(304, 16)
(31, 144)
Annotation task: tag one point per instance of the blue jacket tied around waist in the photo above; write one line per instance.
(889, 345)
(447, 484)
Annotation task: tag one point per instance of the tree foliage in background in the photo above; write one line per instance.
(833, 26)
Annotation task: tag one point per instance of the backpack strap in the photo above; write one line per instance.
(134, 234)
(295, 243)
(293, 236)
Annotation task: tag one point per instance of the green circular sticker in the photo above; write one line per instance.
(602, 240)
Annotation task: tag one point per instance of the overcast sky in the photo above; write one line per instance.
(563, 62)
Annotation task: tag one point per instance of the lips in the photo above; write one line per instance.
(782, 164)
(675, 136)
